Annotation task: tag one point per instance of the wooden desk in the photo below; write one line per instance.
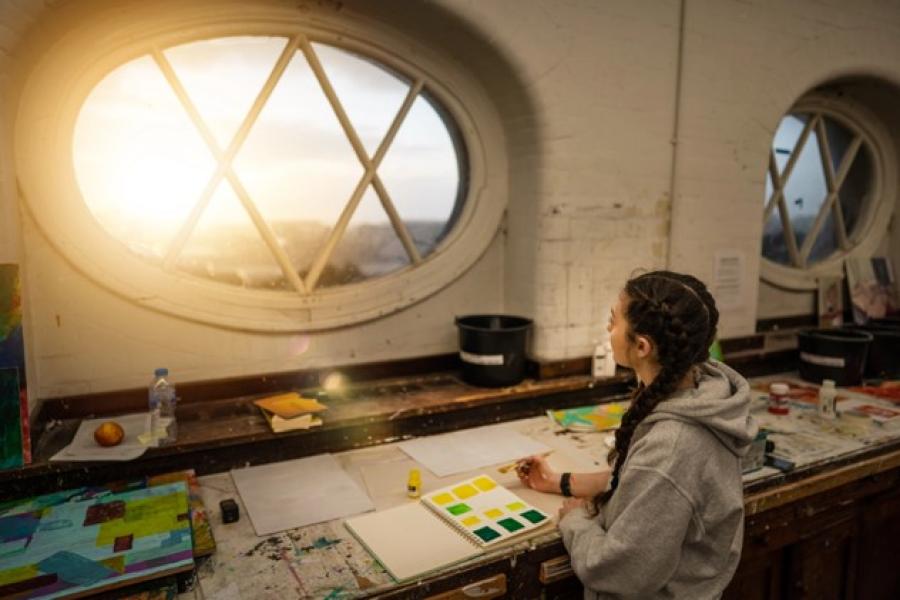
(793, 520)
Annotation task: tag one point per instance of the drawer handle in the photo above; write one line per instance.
(555, 569)
(485, 589)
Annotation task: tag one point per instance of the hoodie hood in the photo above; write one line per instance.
(720, 402)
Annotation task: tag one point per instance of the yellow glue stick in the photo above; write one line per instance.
(414, 484)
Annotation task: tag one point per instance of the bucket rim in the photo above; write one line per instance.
(525, 321)
(853, 336)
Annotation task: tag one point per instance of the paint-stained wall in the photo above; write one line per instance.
(597, 110)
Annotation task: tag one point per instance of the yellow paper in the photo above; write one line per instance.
(290, 405)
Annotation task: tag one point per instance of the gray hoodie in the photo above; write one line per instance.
(674, 526)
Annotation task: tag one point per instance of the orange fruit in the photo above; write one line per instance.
(109, 433)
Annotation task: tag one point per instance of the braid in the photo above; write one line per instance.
(679, 315)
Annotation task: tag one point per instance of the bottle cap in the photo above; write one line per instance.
(779, 388)
(161, 372)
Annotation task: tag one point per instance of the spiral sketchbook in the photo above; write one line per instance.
(447, 526)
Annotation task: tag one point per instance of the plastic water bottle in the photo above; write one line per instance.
(827, 399)
(162, 400)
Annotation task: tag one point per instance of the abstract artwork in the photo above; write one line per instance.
(62, 544)
(601, 417)
(15, 446)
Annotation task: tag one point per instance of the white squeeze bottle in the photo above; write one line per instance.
(162, 400)
(827, 400)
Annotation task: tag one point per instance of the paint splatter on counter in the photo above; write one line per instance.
(318, 561)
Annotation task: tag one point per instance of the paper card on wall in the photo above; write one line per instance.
(728, 279)
(471, 449)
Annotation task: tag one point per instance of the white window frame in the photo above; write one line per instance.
(876, 214)
(62, 78)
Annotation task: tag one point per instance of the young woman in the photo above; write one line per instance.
(667, 522)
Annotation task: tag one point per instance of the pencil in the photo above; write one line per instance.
(506, 468)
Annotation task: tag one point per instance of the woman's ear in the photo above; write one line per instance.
(643, 347)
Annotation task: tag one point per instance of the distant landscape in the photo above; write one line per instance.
(238, 256)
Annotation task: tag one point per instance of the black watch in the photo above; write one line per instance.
(565, 485)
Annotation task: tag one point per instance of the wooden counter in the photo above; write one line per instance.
(814, 532)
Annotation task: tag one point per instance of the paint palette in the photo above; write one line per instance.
(485, 511)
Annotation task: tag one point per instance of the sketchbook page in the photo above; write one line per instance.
(462, 451)
(410, 541)
(485, 511)
(300, 492)
(84, 448)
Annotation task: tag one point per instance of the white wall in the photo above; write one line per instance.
(587, 94)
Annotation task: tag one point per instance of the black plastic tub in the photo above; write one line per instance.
(883, 361)
(837, 354)
(493, 349)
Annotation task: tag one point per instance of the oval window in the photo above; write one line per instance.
(262, 163)
(819, 183)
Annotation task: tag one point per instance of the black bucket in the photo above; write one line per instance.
(883, 361)
(492, 349)
(838, 354)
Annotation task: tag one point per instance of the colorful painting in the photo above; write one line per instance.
(204, 544)
(58, 544)
(15, 441)
(601, 417)
(485, 510)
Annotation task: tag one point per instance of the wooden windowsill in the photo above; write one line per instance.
(218, 435)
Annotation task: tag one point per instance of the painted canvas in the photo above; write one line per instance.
(204, 543)
(601, 417)
(58, 545)
(15, 446)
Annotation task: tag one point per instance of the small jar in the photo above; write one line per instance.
(414, 484)
(778, 399)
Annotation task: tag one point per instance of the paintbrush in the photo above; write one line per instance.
(507, 468)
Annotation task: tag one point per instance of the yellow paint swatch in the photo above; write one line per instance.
(464, 491)
(442, 499)
(469, 521)
(485, 484)
(17, 574)
(493, 513)
(516, 506)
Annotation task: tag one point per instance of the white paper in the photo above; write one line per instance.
(462, 451)
(728, 280)
(300, 492)
(84, 447)
(410, 541)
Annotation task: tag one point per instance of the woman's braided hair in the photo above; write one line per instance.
(678, 314)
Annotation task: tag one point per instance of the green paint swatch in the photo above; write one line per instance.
(487, 534)
(533, 516)
(510, 524)
(459, 509)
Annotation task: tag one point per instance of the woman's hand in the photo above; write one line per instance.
(569, 504)
(535, 472)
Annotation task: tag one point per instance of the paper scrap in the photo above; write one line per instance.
(84, 448)
(294, 493)
(462, 451)
(290, 405)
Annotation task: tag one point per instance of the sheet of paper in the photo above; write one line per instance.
(462, 451)
(728, 279)
(84, 447)
(294, 493)
(410, 541)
